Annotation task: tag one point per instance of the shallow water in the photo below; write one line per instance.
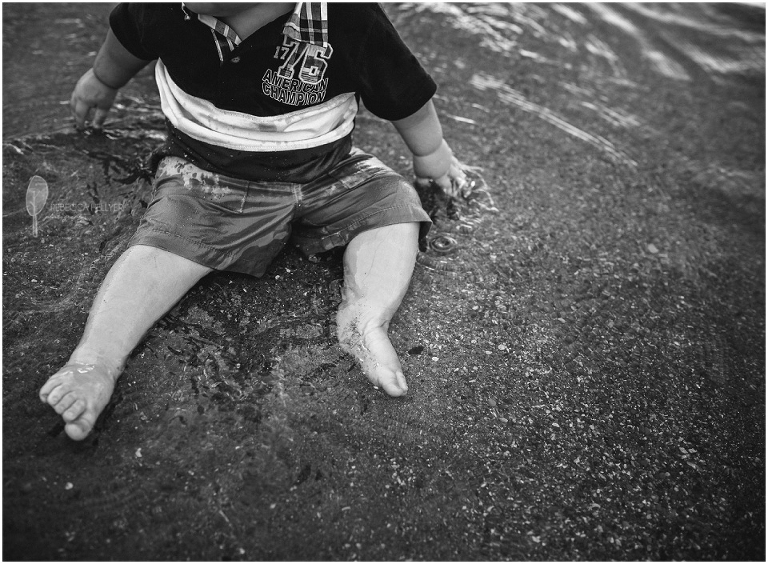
(724, 44)
(594, 60)
(582, 49)
(584, 338)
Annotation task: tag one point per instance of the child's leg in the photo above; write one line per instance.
(140, 288)
(378, 265)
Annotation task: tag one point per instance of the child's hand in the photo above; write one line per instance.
(91, 93)
(454, 182)
(442, 169)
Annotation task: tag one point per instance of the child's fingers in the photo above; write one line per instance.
(98, 118)
(445, 184)
(458, 181)
(421, 182)
(80, 111)
(453, 183)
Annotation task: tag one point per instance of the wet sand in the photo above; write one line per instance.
(585, 349)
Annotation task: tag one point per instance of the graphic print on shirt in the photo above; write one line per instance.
(300, 80)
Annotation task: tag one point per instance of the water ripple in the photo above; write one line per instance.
(511, 96)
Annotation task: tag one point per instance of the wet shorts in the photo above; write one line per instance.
(226, 223)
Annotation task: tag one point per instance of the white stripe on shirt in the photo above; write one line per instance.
(310, 127)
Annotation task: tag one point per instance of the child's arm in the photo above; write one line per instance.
(432, 157)
(113, 68)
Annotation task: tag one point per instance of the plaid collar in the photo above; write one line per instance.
(221, 28)
(226, 40)
(308, 23)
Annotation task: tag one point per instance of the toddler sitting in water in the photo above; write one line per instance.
(260, 101)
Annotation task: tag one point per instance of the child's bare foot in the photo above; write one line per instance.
(370, 345)
(79, 393)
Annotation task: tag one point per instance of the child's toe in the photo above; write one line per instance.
(74, 411)
(53, 381)
(391, 386)
(55, 396)
(401, 381)
(48, 387)
(79, 428)
(64, 403)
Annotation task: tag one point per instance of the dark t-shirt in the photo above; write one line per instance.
(366, 57)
